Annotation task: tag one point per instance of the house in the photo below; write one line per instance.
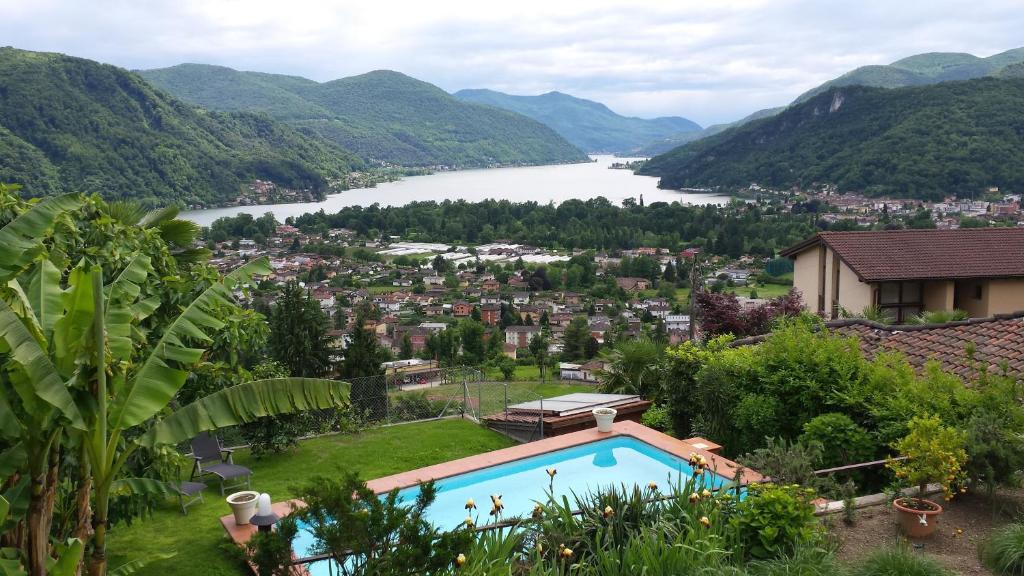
(679, 322)
(433, 310)
(633, 284)
(461, 308)
(490, 299)
(906, 272)
(570, 371)
(521, 335)
(509, 350)
(490, 285)
(490, 314)
(586, 372)
(519, 298)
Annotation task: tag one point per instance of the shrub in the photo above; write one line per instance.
(1003, 553)
(378, 535)
(841, 439)
(787, 462)
(934, 452)
(898, 561)
(271, 552)
(774, 520)
(657, 417)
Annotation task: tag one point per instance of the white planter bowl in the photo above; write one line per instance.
(605, 417)
(243, 505)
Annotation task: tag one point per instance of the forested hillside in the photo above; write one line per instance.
(589, 125)
(382, 116)
(70, 124)
(921, 142)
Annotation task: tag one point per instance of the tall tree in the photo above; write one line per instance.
(406, 352)
(472, 335)
(298, 333)
(539, 349)
(575, 338)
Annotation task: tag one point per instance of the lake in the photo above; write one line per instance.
(537, 183)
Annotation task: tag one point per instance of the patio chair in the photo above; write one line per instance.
(188, 492)
(212, 458)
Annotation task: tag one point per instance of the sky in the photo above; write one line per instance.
(709, 60)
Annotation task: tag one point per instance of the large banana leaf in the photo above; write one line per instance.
(72, 331)
(12, 459)
(141, 487)
(21, 238)
(44, 295)
(164, 371)
(245, 403)
(121, 309)
(43, 375)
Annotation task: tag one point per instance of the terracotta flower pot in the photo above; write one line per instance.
(918, 517)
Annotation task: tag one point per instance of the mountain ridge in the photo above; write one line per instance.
(384, 116)
(589, 125)
(920, 142)
(72, 124)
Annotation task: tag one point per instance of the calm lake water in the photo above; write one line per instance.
(537, 183)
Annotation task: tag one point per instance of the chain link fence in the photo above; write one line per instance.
(465, 392)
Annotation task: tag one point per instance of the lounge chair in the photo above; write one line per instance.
(212, 458)
(188, 492)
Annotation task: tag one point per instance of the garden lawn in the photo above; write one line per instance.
(198, 538)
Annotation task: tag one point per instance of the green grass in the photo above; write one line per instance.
(198, 537)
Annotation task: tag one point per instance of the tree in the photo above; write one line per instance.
(575, 339)
(633, 367)
(72, 335)
(669, 275)
(722, 313)
(439, 264)
(539, 350)
(495, 344)
(298, 333)
(507, 367)
(472, 334)
(363, 359)
(406, 350)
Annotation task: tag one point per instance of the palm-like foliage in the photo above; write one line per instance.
(79, 367)
(633, 367)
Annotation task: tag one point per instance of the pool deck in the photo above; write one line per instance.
(681, 448)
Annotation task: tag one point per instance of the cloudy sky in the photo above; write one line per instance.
(708, 60)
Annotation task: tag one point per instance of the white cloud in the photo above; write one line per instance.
(708, 60)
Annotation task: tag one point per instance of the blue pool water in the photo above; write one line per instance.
(522, 483)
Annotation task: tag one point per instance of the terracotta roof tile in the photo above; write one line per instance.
(997, 340)
(882, 255)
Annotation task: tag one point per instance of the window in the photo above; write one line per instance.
(899, 301)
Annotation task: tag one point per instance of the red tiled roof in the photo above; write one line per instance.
(882, 255)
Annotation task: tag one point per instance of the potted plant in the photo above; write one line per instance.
(604, 417)
(243, 505)
(933, 453)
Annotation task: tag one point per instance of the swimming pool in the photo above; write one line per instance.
(621, 460)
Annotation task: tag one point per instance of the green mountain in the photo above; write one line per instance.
(670, 142)
(921, 142)
(589, 125)
(69, 124)
(383, 116)
(923, 69)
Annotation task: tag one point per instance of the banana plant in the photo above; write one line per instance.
(80, 367)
